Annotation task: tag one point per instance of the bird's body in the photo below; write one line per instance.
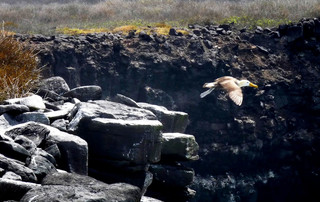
(231, 85)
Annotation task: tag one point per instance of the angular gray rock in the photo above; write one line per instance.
(11, 176)
(176, 176)
(72, 187)
(178, 146)
(73, 149)
(125, 100)
(41, 166)
(127, 133)
(33, 116)
(13, 189)
(54, 151)
(106, 109)
(60, 124)
(34, 131)
(173, 121)
(85, 93)
(28, 144)
(34, 102)
(13, 150)
(13, 109)
(17, 167)
(7, 121)
(56, 84)
(54, 115)
(137, 141)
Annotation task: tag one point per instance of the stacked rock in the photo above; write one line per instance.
(171, 177)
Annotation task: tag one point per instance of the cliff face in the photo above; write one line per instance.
(265, 150)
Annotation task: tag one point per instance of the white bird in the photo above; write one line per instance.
(231, 85)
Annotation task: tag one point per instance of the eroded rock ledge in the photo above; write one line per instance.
(246, 153)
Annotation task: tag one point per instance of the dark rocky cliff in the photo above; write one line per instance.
(265, 150)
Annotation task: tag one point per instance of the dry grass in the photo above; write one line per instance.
(47, 18)
(19, 70)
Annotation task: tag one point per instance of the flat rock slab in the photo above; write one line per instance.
(13, 109)
(72, 187)
(33, 116)
(33, 102)
(178, 146)
(106, 109)
(173, 121)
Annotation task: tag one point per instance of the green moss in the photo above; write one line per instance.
(252, 23)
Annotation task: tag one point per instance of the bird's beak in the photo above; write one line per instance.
(253, 85)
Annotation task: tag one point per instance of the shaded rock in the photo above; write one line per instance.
(56, 84)
(317, 27)
(60, 124)
(28, 144)
(73, 149)
(144, 36)
(85, 93)
(14, 190)
(18, 168)
(173, 32)
(50, 96)
(11, 176)
(13, 150)
(54, 151)
(158, 97)
(137, 141)
(122, 172)
(294, 32)
(72, 187)
(7, 121)
(176, 176)
(172, 121)
(45, 154)
(178, 146)
(33, 116)
(35, 132)
(41, 166)
(34, 102)
(125, 100)
(13, 109)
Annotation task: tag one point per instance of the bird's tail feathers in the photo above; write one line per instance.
(209, 85)
(207, 92)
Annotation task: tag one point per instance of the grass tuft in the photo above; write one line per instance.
(19, 69)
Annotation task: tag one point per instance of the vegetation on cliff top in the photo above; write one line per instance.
(19, 71)
(60, 15)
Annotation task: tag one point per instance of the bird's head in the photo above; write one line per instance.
(243, 83)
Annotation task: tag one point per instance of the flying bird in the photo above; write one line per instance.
(231, 85)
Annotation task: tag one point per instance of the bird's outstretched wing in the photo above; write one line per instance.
(207, 92)
(236, 96)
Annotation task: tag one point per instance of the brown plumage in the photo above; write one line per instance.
(231, 85)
